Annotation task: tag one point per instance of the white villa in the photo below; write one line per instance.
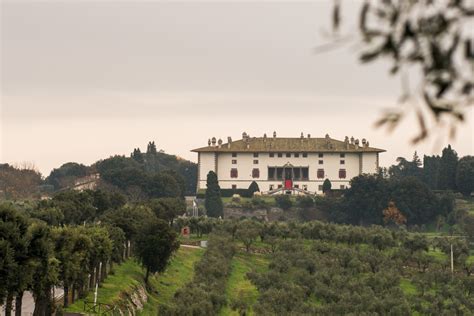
(286, 165)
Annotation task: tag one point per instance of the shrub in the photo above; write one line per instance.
(283, 201)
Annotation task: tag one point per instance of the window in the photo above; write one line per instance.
(342, 173)
(280, 155)
(342, 162)
(280, 186)
(342, 155)
(234, 154)
(272, 187)
(305, 187)
(288, 155)
(256, 173)
(305, 155)
(234, 173)
(320, 173)
(271, 173)
(255, 162)
(297, 155)
(297, 186)
(320, 155)
(279, 173)
(320, 187)
(296, 173)
(272, 155)
(342, 187)
(234, 187)
(255, 155)
(304, 173)
(320, 162)
(234, 161)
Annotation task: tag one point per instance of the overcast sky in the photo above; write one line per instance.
(83, 80)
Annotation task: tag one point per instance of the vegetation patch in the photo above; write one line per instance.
(125, 279)
(177, 274)
(240, 291)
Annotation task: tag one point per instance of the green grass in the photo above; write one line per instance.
(130, 274)
(438, 255)
(238, 282)
(407, 287)
(179, 272)
(127, 275)
(192, 238)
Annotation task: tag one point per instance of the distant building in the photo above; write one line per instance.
(286, 165)
(86, 183)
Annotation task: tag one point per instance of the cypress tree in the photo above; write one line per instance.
(213, 201)
(253, 188)
(326, 186)
(465, 175)
(431, 171)
(447, 169)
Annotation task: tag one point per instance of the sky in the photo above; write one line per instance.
(84, 80)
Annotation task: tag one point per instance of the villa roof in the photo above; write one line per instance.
(286, 144)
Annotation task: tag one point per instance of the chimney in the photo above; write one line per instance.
(213, 141)
(302, 136)
(229, 140)
(352, 140)
(367, 144)
(265, 137)
(219, 142)
(364, 142)
(274, 134)
(346, 142)
(357, 143)
(209, 142)
(309, 135)
(244, 135)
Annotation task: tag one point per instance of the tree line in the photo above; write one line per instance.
(445, 172)
(73, 240)
(138, 176)
(319, 268)
(205, 294)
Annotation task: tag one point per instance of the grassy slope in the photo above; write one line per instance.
(238, 282)
(126, 276)
(130, 274)
(179, 272)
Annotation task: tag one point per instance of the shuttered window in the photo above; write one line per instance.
(234, 173)
(256, 173)
(320, 173)
(342, 173)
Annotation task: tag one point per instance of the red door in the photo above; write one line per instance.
(288, 184)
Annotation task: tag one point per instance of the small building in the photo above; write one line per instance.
(285, 165)
(86, 183)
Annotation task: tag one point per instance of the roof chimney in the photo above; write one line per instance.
(213, 141)
(309, 135)
(302, 136)
(364, 142)
(265, 137)
(274, 134)
(219, 142)
(209, 142)
(352, 140)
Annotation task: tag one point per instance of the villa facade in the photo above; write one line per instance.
(286, 165)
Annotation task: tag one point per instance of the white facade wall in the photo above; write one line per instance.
(369, 162)
(354, 164)
(206, 163)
